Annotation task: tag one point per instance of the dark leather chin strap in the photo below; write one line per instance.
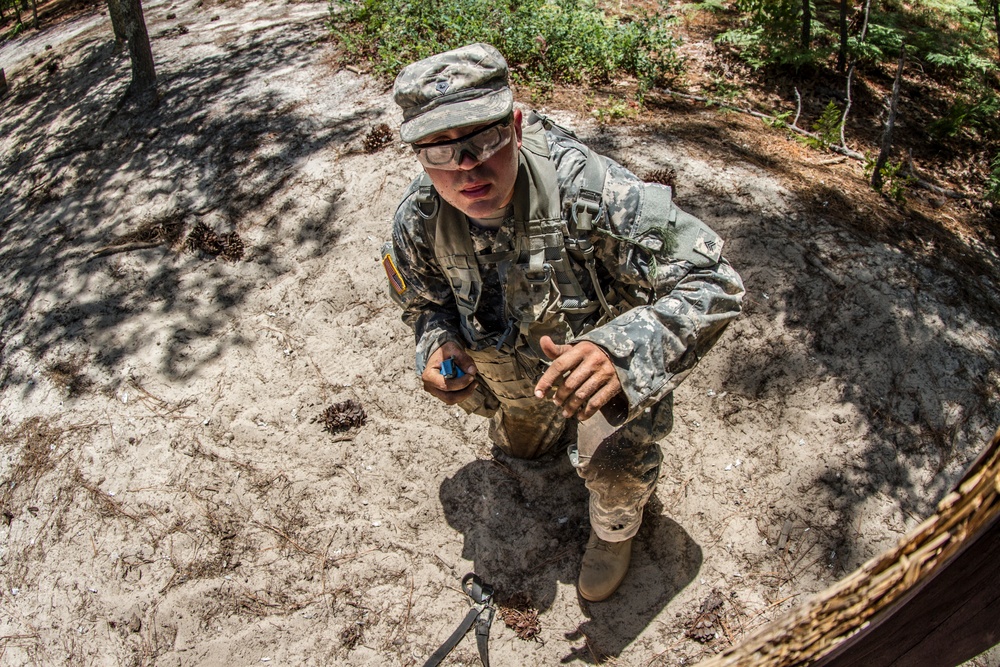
(481, 615)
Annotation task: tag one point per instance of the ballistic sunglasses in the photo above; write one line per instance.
(481, 145)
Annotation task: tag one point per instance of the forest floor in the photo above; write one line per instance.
(188, 288)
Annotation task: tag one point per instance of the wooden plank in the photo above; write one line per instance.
(952, 618)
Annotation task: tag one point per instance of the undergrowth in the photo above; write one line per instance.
(568, 41)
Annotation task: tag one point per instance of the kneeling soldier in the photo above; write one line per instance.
(567, 292)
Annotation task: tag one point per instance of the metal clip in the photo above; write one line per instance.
(546, 275)
(586, 209)
(426, 195)
(507, 337)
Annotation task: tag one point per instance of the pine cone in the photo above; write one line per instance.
(663, 177)
(204, 239)
(378, 137)
(232, 247)
(342, 416)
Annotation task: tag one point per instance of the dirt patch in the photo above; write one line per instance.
(172, 494)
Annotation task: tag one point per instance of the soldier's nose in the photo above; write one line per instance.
(467, 160)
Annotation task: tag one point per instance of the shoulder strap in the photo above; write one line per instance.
(587, 206)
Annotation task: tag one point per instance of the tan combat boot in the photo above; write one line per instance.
(603, 568)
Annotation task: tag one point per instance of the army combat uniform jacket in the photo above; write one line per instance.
(590, 253)
(670, 292)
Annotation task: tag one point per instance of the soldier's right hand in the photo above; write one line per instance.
(454, 390)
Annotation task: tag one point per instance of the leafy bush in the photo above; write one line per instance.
(566, 40)
(975, 111)
(946, 35)
(771, 34)
(826, 127)
(894, 182)
(711, 6)
(993, 182)
(616, 109)
(15, 31)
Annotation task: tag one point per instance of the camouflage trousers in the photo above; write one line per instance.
(620, 470)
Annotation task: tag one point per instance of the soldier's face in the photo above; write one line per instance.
(478, 189)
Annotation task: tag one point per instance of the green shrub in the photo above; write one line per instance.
(975, 111)
(566, 40)
(15, 31)
(992, 192)
(770, 34)
(894, 182)
(826, 127)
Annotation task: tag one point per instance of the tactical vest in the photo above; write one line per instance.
(542, 293)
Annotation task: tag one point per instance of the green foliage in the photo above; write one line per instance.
(962, 61)
(617, 109)
(779, 119)
(770, 34)
(954, 37)
(826, 127)
(566, 40)
(724, 91)
(992, 192)
(894, 182)
(976, 111)
(949, 36)
(711, 6)
(882, 45)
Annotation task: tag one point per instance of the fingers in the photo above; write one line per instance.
(583, 377)
(454, 390)
(552, 350)
(588, 387)
(560, 365)
(453, 396)
(597, 401)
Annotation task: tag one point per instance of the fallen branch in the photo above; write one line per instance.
(763, 116)
(124, 247)
(936, 189)
(927, 185)
(842, 150)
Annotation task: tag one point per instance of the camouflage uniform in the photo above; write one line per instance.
(670, 292)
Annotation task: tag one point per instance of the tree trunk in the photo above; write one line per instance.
(117, 22)
(806, 24)
(34, 13)
(883, 153)
(864, 23)
(850, 73)
(842, 53)
(996, 24)
(17, 12)
(143, 72)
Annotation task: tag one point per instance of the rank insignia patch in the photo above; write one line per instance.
(392, 273)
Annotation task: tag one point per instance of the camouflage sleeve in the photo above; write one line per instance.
(420, 287)
(695, 292)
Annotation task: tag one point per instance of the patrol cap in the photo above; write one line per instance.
(466, 86)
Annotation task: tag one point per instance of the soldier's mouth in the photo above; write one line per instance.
(475, 191)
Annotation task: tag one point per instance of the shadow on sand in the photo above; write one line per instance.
(525, 524)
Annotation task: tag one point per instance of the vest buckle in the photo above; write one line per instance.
(586, 209)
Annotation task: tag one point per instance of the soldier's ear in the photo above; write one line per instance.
(517, 126)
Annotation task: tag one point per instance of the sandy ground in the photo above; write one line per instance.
(170, 495)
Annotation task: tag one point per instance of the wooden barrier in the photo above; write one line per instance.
(931, 601)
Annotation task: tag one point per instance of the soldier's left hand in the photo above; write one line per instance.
(583, 376)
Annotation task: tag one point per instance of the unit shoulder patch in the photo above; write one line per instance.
(392, 273)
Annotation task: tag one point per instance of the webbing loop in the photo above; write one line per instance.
(481, 614)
